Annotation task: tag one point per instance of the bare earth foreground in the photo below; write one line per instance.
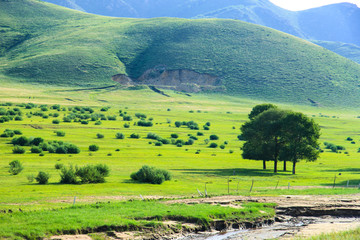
(297, 215)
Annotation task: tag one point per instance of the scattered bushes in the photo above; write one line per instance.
(15, 167)
(42, 177)
(143, 123)
(151, 175)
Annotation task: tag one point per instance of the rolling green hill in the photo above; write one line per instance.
(350, 51)
(44, 43)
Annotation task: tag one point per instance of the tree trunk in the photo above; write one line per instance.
(284, 165)
(275, 165)
(264, 164)
(294, 166)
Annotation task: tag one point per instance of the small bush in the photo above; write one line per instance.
(56, 121)
(349, 139)
(35, 149)
(206, 128)
(120, 136)
(214, 137)
(99, 135)
(30, 178)
(135, 135)
(222, 146)
(174, 135)
(67, 175)
(213, 145)
(152, 136)
(18, 150)
(93, 174)
(151, 175)
(98, 123)
(59, 166)
(126, 125)
(21, 141)
(159, 144)
(42, 177)
(93, 148)
(60, 133)
(178, 124)
(200, 134)
(36, 141)
(15, 167)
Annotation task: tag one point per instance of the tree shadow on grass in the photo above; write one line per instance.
(353, 183)
(233, 172)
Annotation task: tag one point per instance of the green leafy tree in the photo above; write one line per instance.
(263, 136)
(260, 108)
(301, 135)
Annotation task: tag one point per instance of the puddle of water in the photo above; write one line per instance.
(283, 230)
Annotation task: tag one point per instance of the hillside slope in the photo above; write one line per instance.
(350, 51)
(45, 43)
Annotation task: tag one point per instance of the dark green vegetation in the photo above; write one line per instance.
(42, 43)
(15, 167)
(152, 175)
(275, 134)
(132, 215)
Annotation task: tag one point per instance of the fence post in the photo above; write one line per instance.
(277, 184)
(74, 201)
(288, 186)
(334, 181)
(252, 184)
(347, 184)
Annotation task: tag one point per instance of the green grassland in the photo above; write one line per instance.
(190, 170)
(47, 44)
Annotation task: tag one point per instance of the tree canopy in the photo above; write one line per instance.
(273, 134)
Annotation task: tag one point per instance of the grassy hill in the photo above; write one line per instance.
(44, 43)
(350, 51)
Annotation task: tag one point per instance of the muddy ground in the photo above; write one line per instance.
(295, 216)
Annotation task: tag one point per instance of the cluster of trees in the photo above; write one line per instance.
(272, 134)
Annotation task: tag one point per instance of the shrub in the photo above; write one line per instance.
(84, 122)
(178, 124)
(152, 136)
(42, 177)
(126, 125)
(18, 118)
(60, 133)
(93, 148)
(349, 139)
(73, 149)
(127, 118)
(143, 123)
(151, 175)
(120, 136)
(36, 141)
(99, 135)
(59, 166)
(214, 137)
(159, 144)
(200, 134)
(56, 121)
(135, 135)
(17, 132)
(67, 175)
(30, 178)
(93, 174)
(18, 150)
(21, 141)
(206, 128)
(174, 135)
(140, 115)
(15, 167)
(208, 124)
(222, 146)
(213, 145)
(35, 149)
(98, 123)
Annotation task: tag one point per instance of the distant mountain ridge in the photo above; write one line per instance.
(334, 23)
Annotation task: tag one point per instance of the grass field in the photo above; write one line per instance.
(190, 170)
